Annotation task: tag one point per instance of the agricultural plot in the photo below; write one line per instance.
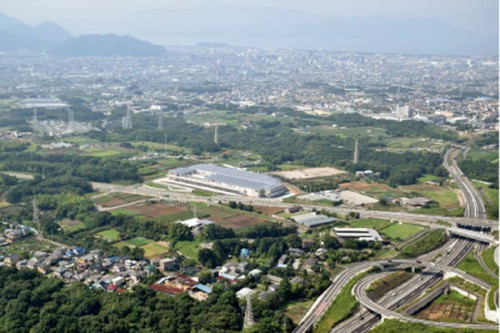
(446, 197)
(268, 210)
(240, 221)
(449, 307)
(218, 213)
(69, 225)
(372, 189)
(155, 249)
(117, 199)
(189, 249)
(111, 235)
(134, 242)
(151, 210)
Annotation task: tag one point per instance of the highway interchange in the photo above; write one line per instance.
(452, 253)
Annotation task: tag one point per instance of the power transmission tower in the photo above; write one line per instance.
(36, 219)
(248, 320)
(71, 116)
(356, 152)
(160, 121)
(127, 120)
(216, 134)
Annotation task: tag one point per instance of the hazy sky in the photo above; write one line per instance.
(88, 16)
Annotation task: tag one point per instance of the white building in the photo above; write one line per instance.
(228, 180)
(358, 233)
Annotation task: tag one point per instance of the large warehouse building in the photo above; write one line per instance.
(229, 180)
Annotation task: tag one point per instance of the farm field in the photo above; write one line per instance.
(69, 225)
(240, 221)
(110, 234)
(401, 231)
(269, 210)
(106, 151)
(155, 249)
(372, 189)
(446, 197)
(218, 213)
(188, 248)
(296, 310)
(134, 242)
(449, 307)
(117, 198)
(152, 210)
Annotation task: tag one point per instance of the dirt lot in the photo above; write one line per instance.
(269, 210)
(155, 210)
(455, 312)
(309, 173)
(240, 221)
(116, 199)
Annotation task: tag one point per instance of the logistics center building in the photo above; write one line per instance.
(229, 180)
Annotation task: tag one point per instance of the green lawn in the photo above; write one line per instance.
(188, 248)
(401, 231)
(431, 241)
(134, 242)
(376, 224)
(342, 307)
(489, 259)
(471, 266)
(396, 326)
(111, 234)
(124, 211)
(427, 177)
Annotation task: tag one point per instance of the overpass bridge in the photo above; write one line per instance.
(477, 236)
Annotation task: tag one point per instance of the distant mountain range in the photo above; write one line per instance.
(53, 39)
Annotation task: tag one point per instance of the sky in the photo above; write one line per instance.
(461, 26)
(84, 16)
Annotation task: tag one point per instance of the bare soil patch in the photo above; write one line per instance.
(241, 221)
(155, 210)
(309, 173)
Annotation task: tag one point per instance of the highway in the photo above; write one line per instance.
(474, 205)
(474, 212)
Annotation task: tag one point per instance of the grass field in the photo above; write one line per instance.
(218, 213)
(431, 241)
(489, 260)
(111, 234)
(396, 326)
(110, 151)
(297, 309)
(376, 224)
(342, 307)
(373, 189)
(154, 249)
(70, 226)
(188, 248)
(134, 242)
(427, 177)
(401, 231)
(471, 266)
(490, 196)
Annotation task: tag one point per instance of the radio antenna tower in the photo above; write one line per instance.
(356, 152)
(248, 320)
(36, 219)
(216, 134)
(399, 90)
(160, 121)
(195, 213)
(35, 118)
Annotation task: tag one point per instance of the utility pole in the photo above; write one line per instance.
(160, 121)
(71, 116)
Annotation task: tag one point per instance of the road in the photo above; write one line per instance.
(474, 212)
(425, 220)
(474, 205)
(409, 290)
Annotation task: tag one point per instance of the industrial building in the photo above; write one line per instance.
(312, 220)
(227, 180)
(361, 234)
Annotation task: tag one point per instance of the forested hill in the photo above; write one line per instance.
(30, 303)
